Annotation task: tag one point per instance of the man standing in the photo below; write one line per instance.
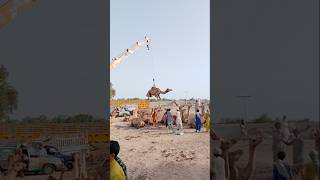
(169, 119)
(277, 144)
(179, 122)
(116, 171)
(281, 169)
(219, 165)
(198, 121)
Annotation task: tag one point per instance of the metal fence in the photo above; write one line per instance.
(97, 132)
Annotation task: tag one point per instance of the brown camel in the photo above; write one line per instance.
(246, 172)
(15, 167)
(225, 147)
(154, 91)
(9, 9)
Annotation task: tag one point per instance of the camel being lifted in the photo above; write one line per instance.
(154, 91)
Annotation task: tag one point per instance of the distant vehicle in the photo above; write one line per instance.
(123, 112)
(5, 152)
(37, 161)
(130, 108)
(67, 158)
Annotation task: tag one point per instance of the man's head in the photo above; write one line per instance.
(168, 110)
(217, 151)
(114, 149)
(284, 117)
(281, 155)
(314, 156)
(198, 110)
(277, 125)
(296, 132)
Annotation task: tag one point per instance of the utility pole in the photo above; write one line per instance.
(244, 98)
(186, 93)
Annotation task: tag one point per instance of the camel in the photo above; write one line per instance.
(225, 146)
(9, 9)
(246, 172)
(154, 91)
(15, 167)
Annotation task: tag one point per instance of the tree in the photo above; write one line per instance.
(112, 91)
(8, 95)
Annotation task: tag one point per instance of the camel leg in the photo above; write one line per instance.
(2, 176)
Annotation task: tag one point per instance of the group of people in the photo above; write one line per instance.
(168, 117)
(299, 169)
(282, 170)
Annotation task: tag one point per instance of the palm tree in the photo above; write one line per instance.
(8, 95)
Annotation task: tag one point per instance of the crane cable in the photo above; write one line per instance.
(153, 65)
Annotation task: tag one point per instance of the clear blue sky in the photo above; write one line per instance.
(179, 57)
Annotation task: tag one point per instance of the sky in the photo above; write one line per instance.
(56, 56)
(270, 51)
(179, 56)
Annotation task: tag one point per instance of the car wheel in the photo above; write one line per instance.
(48, 169)
(69, 165)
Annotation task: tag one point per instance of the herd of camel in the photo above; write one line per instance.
(255, 137)
(143, 117)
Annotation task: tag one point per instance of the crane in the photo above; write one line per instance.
(118, 59)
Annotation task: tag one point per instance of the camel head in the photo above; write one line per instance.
(227, 144)
(167, 90)
(235, 155)
(253, 143)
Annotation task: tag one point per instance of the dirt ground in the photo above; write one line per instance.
(155, 153)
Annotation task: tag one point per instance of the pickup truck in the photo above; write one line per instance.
(67, 158)
(37, 161)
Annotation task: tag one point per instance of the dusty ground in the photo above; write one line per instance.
(264, 159)
(155, 153)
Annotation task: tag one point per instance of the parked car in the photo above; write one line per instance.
(67, 158)
(5, 152)
(130, 108)
(123, 112)
(37, 161)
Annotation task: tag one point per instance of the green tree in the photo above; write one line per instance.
(8, 95)
(112, 91)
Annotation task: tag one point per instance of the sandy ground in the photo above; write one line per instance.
(155, 153)
(264, 158)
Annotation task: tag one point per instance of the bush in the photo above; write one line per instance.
(264, 118)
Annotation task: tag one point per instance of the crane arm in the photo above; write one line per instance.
(118, 59)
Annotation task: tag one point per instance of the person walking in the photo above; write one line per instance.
(179, 123)
(198, 121)
(154, 116)
(169, 119)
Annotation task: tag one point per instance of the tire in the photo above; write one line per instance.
(48, 169)
(69, 165)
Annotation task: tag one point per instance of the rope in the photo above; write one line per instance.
(153, 66)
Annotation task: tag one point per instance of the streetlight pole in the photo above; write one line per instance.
(244, 98)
